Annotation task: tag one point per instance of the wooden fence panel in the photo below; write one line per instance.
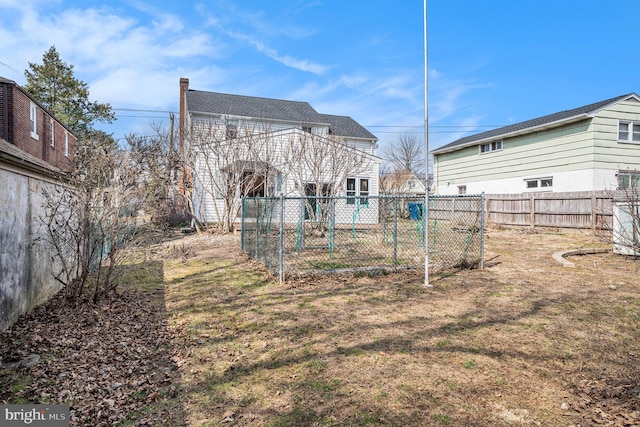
(583, 209)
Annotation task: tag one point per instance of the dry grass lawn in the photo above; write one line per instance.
(524, 342)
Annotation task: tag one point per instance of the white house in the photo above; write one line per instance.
(402, 183)
(594, 147)
(251, 146)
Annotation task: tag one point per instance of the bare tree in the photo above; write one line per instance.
(89, 219)
(321, 165)
(229, 160)
(155, 158)
(406, 155)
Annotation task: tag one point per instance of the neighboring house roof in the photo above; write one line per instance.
(272, 109)
(551, 120)
(251, 106)
(346, 126)
(12, 154)
(31, 97)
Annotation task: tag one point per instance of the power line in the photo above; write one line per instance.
(436, 126)
(453, 128)
(143, 117)
(144, 111)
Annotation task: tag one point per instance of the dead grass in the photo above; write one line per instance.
(523, 342)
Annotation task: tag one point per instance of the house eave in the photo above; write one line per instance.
(519, 132)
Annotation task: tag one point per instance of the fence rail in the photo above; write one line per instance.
(298, 235)
(586, 209)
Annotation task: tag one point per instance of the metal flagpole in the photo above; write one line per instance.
(426, 152)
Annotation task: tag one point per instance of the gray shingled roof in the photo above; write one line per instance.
(250, 106)
(272, 109)
(560, 117)
(346, 126)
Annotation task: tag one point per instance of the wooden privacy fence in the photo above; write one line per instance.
(584, 209)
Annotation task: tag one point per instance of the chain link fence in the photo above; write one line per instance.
(302, 235)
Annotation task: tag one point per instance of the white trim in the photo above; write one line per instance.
(356, 195)
(52, 131)
(33, 121)
(66, 143)
(630, 131)
(490, 146)
(539, 184)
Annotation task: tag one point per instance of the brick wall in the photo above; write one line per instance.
(18, 129)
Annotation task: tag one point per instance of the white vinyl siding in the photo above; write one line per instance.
(205, 204)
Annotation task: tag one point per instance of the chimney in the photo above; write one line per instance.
(184, 87)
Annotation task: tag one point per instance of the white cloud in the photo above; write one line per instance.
(298, 64)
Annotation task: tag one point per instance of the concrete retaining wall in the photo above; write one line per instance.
(26, 261)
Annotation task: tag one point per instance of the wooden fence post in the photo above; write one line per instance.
(593, 211)
(532, 210)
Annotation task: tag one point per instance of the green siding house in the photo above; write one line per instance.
(594, 147)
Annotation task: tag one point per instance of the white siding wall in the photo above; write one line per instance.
(275, 154)
(578, 180)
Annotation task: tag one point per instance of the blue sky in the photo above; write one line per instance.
(491, 63)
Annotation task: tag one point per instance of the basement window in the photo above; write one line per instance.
(628, 180)
(539, 183)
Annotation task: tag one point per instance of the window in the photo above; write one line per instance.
(52, 133)
(462, 189)
(232, 129)
(308, 129)
(364, 191)
(629, 131)
(628, 179)
(33, 120)
(66, 143)
(353, 191)
(539, 183)
(491, 146)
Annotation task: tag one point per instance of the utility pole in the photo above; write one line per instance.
(426, 152)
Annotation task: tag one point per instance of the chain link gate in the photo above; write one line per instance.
(302, 235)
